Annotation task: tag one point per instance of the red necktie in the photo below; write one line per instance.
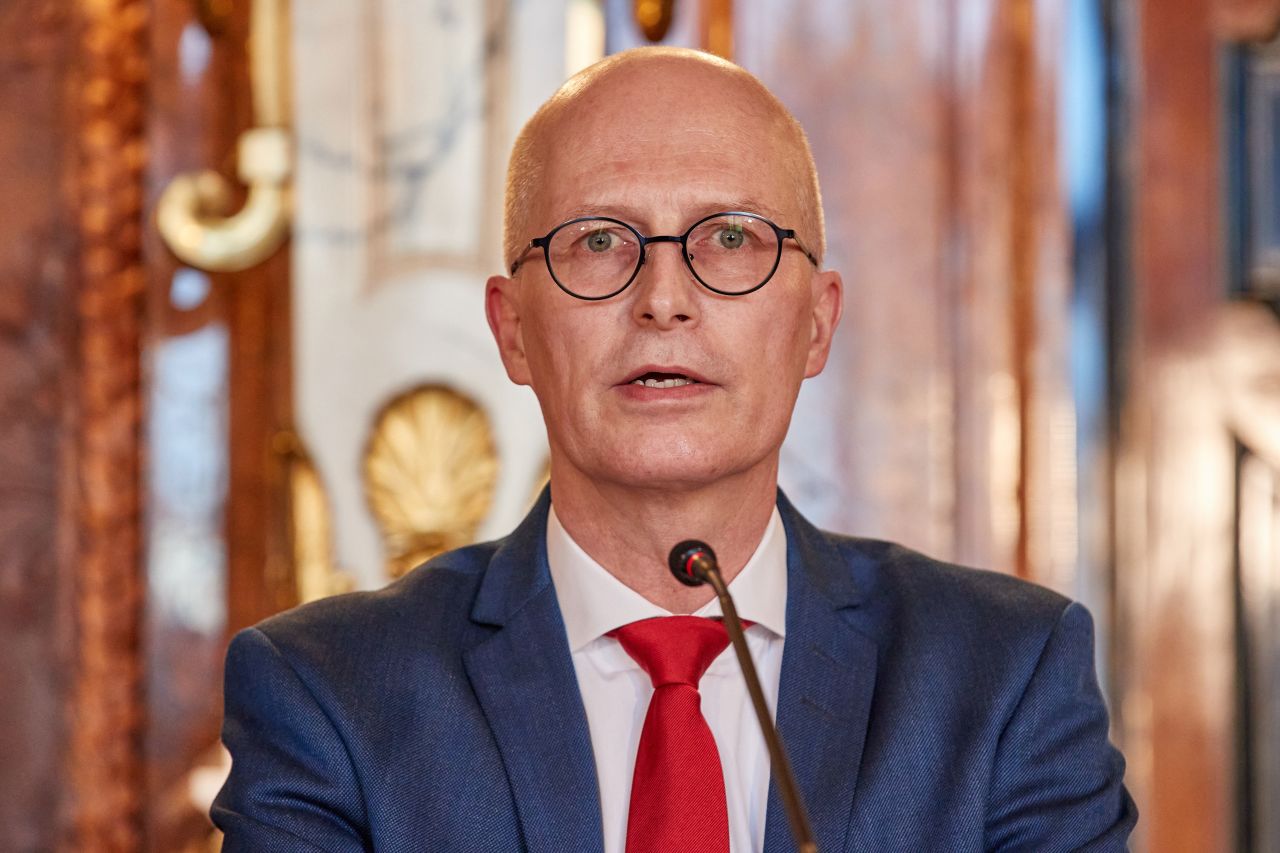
(677, 792)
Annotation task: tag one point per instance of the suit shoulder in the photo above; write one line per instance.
(431, 601)
(933, 591)
(943, 628)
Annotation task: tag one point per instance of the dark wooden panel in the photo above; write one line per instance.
(1177, 463)
(1176, 246)
(1258, 645)
(36, 242)
(1248, 362)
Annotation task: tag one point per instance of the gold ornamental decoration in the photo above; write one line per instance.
(430, 468)
(714, 26)
(194, 214)
(653, 17)
(315, 569)
(717, 28)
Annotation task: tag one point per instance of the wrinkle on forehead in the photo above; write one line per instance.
(681, 173)
(678, 211)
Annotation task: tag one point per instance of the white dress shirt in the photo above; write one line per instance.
(616, 691)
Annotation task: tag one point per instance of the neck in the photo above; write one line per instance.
(630, 531)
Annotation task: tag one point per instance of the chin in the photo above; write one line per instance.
(649, 468)
(673, 456)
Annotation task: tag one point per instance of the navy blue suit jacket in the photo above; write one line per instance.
(925, 707)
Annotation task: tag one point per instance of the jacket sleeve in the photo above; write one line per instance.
(292, 785)
(1058, 783)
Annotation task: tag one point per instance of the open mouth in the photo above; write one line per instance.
(663, 380)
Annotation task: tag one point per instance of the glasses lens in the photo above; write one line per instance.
(733, 253)
(594, 257)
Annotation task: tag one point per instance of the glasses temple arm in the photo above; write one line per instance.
(813, 260)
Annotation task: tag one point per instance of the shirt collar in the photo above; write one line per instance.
(594, 602)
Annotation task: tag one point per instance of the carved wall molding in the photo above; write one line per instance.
(109, 121)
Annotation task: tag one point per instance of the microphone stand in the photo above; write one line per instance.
(694, 563)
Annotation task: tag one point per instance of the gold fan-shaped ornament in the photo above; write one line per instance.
(430, 468)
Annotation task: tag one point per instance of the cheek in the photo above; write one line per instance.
(784, 358)
(564, 353)
(786, 333)
(548, 340)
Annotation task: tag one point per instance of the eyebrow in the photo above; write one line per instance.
(638, 216)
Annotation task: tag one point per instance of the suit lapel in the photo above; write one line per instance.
(524, 679)
(824, 698)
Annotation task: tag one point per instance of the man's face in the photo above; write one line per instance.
(660, 152)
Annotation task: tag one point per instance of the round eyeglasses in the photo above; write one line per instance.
(731, 253)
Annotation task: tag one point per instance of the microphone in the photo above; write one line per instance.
(694, 563)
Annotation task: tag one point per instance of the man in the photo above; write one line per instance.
(665, 301)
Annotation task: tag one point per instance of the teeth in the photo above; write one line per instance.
(663, 383)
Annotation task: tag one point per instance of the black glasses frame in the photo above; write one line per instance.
(683, 239)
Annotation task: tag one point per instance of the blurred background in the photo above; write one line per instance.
(243, 361)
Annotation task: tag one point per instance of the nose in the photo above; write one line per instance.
(666, 294)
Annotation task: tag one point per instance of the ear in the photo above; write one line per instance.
(502, 309)
(828, 306)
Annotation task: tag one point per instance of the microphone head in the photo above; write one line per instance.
(690, 560)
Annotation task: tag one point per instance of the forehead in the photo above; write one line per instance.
(667, 143)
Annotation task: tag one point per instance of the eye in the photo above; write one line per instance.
(731, 237)
(601, 241)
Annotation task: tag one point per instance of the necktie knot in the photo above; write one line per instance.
(673, 649)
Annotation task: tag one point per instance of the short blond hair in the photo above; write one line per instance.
(528, 155)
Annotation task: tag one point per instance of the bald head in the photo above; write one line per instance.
(629, 102)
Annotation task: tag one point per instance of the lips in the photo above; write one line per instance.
(663, 380)
(664, 376)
